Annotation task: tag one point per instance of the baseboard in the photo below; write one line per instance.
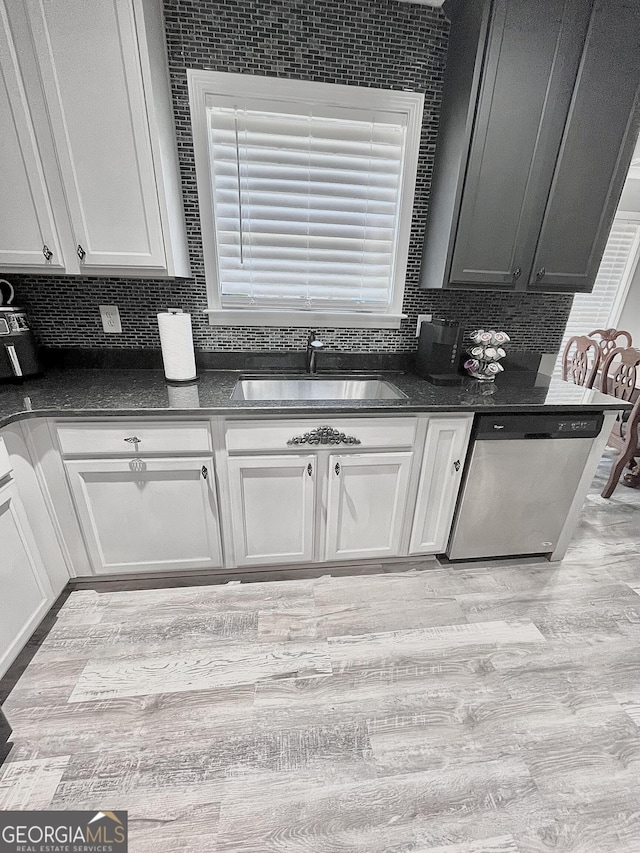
(293, 571)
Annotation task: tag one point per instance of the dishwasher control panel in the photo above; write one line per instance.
(510, 427)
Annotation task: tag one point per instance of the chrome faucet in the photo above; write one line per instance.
(313, 345)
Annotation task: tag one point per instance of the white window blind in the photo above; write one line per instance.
(306, 207)
(596, 310)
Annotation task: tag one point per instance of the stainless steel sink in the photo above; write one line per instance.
(315, 388)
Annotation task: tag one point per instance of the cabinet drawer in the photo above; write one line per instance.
(90, 439)
(276, 435)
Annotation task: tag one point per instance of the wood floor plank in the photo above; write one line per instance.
(206, 669)
(356, 617)
(503, 844)
(365, 649)
(409, 811)
(30, 784)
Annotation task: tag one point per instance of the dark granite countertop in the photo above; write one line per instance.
(132, 393)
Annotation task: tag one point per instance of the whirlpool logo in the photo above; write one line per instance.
(63, 832)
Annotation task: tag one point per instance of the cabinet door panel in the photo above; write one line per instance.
(26, 225)
(273, 505)
(25, 595)
(440, 477)
(365, 504)
(89, 64)
(596, 150)
(147, 515)
(529, 70)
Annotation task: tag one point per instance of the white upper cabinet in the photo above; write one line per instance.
(97, 86)
(28, 235)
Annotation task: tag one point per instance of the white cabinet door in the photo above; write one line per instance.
(366, 499)
(90, 70)
(440, 476)
(272, 508)
(25, 594)
(28, 236)
(142, 515)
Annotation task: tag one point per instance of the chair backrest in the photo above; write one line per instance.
(581, 360)
(609, 339)
(621, 373)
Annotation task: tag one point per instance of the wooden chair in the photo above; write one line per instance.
(621, 379)
(608, 338)
(581, 360)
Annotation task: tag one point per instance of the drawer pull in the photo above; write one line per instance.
(46, 251)
(80, 252)
(337, 468)
(133, 440)
(324, 435)
(456, 464)
(310, 469)
(204, 472)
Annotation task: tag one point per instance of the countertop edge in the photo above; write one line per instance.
(302, 411)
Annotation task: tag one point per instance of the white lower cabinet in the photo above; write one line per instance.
(147, 515)
(272, 508)
(440, 477)
(25, 592)
(366, 499)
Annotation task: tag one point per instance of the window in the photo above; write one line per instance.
(306, 195)
(601, 308)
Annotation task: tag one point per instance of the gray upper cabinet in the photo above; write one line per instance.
(537, 131)
(597, 146)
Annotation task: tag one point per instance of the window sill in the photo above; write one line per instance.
(302, 319)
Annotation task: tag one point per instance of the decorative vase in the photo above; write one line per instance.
(486, 352)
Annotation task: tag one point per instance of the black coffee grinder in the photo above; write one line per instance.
(438, 356)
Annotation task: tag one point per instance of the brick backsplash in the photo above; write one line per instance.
(382, 43)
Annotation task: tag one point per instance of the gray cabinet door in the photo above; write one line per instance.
(596, 149)
(529, 72)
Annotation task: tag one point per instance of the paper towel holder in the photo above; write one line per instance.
(181, 382)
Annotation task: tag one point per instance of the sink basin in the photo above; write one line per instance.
(315, 388)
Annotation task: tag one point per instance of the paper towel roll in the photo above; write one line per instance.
(183, 396)
(176, 340)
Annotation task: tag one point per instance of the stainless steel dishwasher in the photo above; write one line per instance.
(520, 480)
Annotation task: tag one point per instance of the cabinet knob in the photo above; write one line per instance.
(46, 251)
(517, 272)
(337, 468)
(310, 469)
(80, 252)
(133, 439)
(204, 472)
(541, 273)
(456, 464)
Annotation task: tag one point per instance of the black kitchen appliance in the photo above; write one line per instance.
(438, 356)
(18, 349)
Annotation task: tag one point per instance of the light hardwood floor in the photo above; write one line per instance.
(487, 708)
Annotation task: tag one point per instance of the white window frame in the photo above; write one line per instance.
(204, 88)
